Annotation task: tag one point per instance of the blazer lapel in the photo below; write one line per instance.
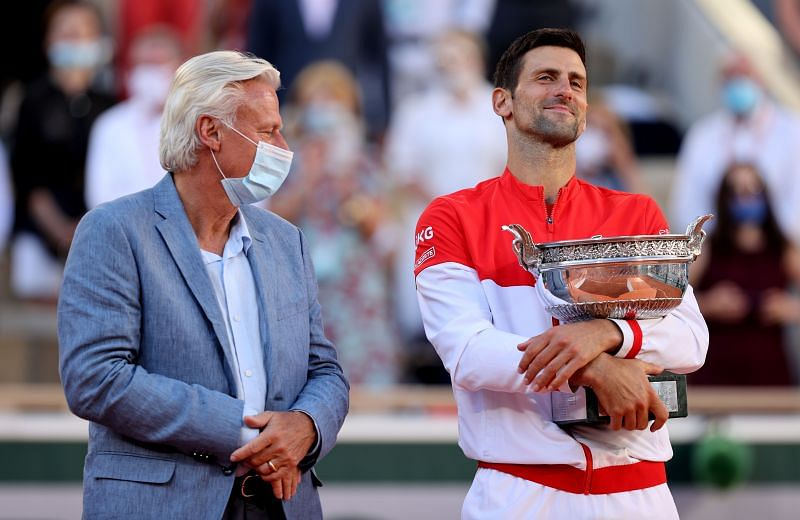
(177, 232)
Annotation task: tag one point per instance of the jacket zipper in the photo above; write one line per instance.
(549, 213)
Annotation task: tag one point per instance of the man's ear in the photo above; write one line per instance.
(502, 102)
(208, 131)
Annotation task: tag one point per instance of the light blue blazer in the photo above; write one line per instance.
(144, 356)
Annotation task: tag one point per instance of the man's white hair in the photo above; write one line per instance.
(209, 84)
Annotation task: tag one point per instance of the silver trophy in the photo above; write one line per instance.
(624, 277)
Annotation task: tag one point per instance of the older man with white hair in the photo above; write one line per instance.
(189, 327)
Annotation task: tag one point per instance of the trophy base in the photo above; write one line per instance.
(582, 407)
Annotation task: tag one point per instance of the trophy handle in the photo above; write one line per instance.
(526, 250)
(697, 235)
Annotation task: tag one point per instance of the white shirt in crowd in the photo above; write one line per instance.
(122, 157)
(411, 27)
(769, 140)
(445, 146)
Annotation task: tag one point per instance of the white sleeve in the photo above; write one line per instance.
(458, 323)
(677, 342)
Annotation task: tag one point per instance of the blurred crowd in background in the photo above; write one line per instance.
(386, 104)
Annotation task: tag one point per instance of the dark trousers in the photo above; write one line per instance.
(262, 505)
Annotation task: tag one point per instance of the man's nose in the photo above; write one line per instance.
(564, 89)
(280, 142)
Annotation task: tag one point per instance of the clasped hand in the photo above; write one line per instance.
(578, 353)
(552, 358)
(624, 391)
(284, 440)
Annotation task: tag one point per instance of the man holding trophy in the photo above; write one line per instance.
(498, 339)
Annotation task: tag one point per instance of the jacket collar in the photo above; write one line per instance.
(535, 193)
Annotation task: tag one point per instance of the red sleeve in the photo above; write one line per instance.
(656, 222)
(439, 237)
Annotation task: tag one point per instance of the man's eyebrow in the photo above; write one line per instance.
(547, 70)
(577, 75)
(555, 71)
(269, 126)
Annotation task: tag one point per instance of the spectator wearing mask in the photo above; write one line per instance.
(442, 141)
(336, 194)
(296, 33)
(49, 147)
(751, 128)
(188, 20)
(411, 27)
(742, 280)
(123, 145)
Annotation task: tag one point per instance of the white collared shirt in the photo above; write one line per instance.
(235, 289)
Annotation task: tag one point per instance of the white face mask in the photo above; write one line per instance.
(149, 84)
(77, 55)
(269, 170)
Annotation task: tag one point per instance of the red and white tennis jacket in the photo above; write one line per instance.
(478, 304)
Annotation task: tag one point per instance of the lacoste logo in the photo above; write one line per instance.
(424, 257)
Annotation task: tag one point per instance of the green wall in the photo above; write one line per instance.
(374, 462)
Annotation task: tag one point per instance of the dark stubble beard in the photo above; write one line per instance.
(556, 134)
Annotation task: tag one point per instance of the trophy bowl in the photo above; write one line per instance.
(625, 277)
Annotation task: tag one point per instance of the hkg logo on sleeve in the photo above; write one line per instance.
(425, 234)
